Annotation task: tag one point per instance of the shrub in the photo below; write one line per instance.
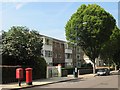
(69, 70)
(39, 68)
(89, 65)
(9, 74)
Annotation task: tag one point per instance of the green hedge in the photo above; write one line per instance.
(68, 70)
(38, 72)
(9, 74)
(82, 70)
(85, 71)
(64, 73)
(39, 68)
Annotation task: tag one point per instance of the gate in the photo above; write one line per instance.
(53, 71)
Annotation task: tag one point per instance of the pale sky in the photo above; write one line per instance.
(48, 18)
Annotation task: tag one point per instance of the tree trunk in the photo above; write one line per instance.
(115, 66)
(93, 66)
(108, 63)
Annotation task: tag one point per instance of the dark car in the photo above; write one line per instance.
(104, 71)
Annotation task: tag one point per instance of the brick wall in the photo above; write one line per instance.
(58, 53)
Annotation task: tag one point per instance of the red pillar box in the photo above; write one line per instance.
(19, 75)
(28, 76)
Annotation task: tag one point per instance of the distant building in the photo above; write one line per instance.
(79, 56)
(60, 52)
(68, 55)
(47, 50)
(98, 61)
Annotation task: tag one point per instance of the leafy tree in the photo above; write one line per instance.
(116, 58)
(90, 27)
(110, 48)
(21, 44)
(116, 53)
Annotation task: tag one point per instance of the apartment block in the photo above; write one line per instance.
(77, 54)
(47, 50)
(68, 55)
(98, 61)
(60, 52)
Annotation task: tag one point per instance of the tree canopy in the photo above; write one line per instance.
(22, 44)
(90, 27)
(116, 52)
(111, 48)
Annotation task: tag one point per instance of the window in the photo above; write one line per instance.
(49, 64)
(65, 46)
(42, 52)
(78, 56)
(48, 53)
(55, 44)
(48, 41)
(68, 56)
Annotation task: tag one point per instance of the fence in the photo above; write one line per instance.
(8, 74)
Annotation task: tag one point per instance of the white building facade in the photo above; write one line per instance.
(65, 54)
(68, 56)
(47, 50)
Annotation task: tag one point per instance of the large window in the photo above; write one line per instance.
(68, 56)
(48, 41)
(48, 53)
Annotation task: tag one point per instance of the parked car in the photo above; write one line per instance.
(104, 71)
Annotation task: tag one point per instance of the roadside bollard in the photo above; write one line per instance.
(28, 76)
(19, 75)
(76, 72)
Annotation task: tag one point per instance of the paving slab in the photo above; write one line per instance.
(36, 83)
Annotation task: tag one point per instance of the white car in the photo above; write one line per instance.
(101, 72)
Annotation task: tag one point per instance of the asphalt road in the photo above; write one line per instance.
(93, 82)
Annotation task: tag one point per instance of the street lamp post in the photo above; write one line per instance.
(76, 44)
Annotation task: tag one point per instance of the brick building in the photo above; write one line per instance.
(60, 52)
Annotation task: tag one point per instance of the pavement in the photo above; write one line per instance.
(41, 82)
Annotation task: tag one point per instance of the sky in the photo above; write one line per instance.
(48, 18)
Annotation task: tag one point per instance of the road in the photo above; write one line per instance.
(93, 82)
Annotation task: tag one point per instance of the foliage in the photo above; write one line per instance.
(89, 65)
(116, 40)
(21, 44)
(39, 71)
(23, 47)
(110, 50)
(90, 27)
(39, 66)
(8, 74)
